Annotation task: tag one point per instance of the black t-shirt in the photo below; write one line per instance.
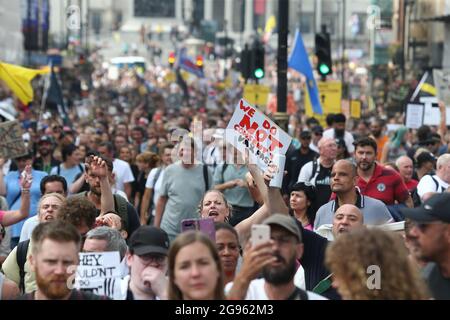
(295, 160)
(438, 285)
(75, 295)
(323, 187)
(313, 261)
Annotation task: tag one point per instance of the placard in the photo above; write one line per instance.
(414, 116)
(100, 272)
(11, 141)
(251, 129)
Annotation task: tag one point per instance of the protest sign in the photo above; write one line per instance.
(442, 83)
(100, 272)
(11, 141)
(251, 129)
(414, 116)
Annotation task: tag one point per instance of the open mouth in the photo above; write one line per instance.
(213, 213)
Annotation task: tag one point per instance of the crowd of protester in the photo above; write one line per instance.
(136, 156)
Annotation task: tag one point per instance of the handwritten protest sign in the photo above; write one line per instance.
(100, 272)
(11, 142)
(251, 129)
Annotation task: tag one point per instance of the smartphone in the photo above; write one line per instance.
(204, 225)
(260, 234)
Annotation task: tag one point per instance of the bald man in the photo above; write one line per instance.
(343, 184)
(346, 218)
(317, 172)
(406, 169)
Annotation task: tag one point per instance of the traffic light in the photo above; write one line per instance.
(199, 61)
(171, 59)
(323, 53)
(258, 53)
(245, 65)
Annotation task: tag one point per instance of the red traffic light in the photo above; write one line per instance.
(171, 58)
(199, 61)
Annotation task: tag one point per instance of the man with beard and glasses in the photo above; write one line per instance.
(378, 182)
(277, 259)
(45, 162)
(338, 132)
(55, 249)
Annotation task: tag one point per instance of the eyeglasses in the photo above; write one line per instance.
(151, 257)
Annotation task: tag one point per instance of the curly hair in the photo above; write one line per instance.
(351, 255)
(78, 211)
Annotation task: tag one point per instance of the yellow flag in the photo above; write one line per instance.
(18, 79)
(270, 24)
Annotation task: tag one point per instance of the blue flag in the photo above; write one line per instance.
(185, 63)
(298, 60)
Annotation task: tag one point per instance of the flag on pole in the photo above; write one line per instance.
(54, 96)
(18, 79)
(298, 60)
(425, 88)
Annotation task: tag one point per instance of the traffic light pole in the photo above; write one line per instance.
(281, 116)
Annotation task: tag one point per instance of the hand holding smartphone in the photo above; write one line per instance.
(260, 234)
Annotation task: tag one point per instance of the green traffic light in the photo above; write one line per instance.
(324, 69)
(259, 73)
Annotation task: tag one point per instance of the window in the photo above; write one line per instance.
(306, 22)
(154, 8)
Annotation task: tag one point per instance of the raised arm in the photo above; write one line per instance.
(12, 217)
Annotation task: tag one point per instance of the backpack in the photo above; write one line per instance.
(21, 258)
(415, 196)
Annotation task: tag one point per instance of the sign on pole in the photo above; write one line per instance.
(256, 94)
(330, 95)
(250, 129)
(11, 141)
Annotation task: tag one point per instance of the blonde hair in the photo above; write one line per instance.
(350, 257)
(227, 204)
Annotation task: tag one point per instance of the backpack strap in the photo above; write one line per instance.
(205, 177)
(58, 170)
(21, 257)
(157, 174)
(121, 207)
(298, 294)
(435, 182)
(315, 165)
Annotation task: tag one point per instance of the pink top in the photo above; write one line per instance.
(309, 227)
(2, 213)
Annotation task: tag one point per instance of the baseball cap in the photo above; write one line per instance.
(286, 222)
(434, 209)
(305, 134)
(149, 239)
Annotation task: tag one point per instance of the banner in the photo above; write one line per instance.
(251, 129)
(11, 141)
